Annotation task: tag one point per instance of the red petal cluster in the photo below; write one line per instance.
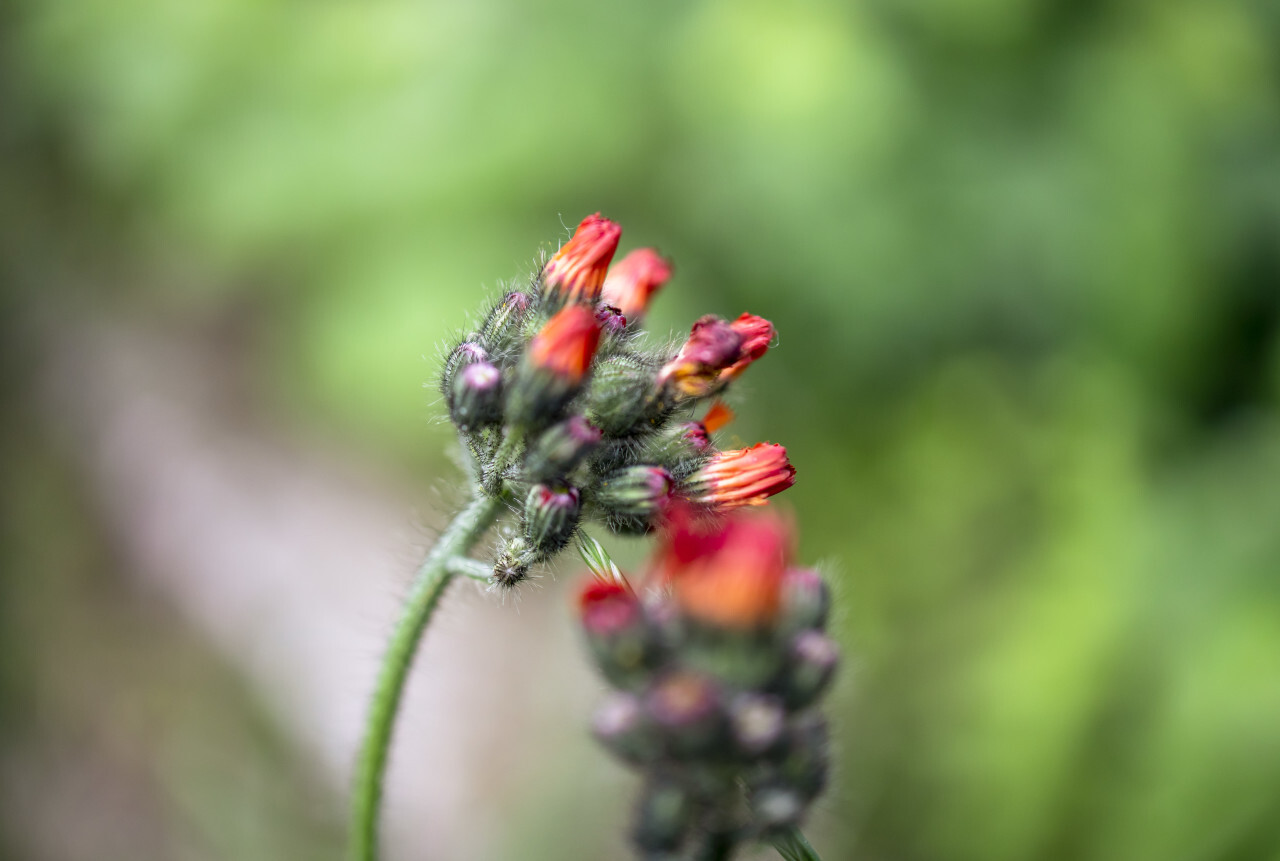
(567, 343)
(577, 271)
(631, 284)
(727, 572)
(745, 476)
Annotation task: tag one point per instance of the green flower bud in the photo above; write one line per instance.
(551, 517)
(560, 448)
(621, 401)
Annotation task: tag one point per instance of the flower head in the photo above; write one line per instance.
(567, 344)
(634, 280)
(745, 476)
(715, 353)
(577, 271)
(729, 572)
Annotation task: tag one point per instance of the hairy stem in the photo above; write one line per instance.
(428, 585)
(793, 846)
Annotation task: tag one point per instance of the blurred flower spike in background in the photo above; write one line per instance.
(718, 664)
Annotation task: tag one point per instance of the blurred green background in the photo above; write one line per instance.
(1024, 260)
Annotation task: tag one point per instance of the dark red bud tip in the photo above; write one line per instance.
(610, 319)
(607, 608)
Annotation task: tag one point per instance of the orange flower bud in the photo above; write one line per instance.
(633, 282)
(567, 344)
(747, 476)
(577, 271)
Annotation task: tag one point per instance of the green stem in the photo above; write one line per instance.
(428, 585)
(793, 846)
(461, 566)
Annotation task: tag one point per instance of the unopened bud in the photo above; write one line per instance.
(511, 567)
(810, 667)
(757, 722)
(640, 491)
(561, 447)
(621, 726)
(806, 601)
(551, 517)
(686, 708)
(555, 366)
(616, 632)
(577, 271)
(633, 281)
(477, 396)
(466, 353)
(502, 325)
(622, 397)
(663, 816)
(611, 320)
(748, 476)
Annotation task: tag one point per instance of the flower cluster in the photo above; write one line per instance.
(718, 667)
(570, 414)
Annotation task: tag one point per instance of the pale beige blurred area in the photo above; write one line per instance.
(290, 560)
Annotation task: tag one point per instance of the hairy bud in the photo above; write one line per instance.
(634, 496)
(551, 517)
(561, 447)
(477, 396)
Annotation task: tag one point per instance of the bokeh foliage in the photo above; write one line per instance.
(1024, 258)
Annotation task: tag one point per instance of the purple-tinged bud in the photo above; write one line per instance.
(610, 319)
(757, 722)
(561, 447)
(810, 666)
(663, 817)
(621, 726)
(511, 567)
(617, 634)
(477, 396)
(503, 322)
(551, 517)
(806, 601)
(466, 353)
(635, 491)
(686, 708)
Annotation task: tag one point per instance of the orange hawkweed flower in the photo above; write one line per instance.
(634, 280)
(577, 271)
(715, 353)
(746, 476)
(566, 344)
(729, 572)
